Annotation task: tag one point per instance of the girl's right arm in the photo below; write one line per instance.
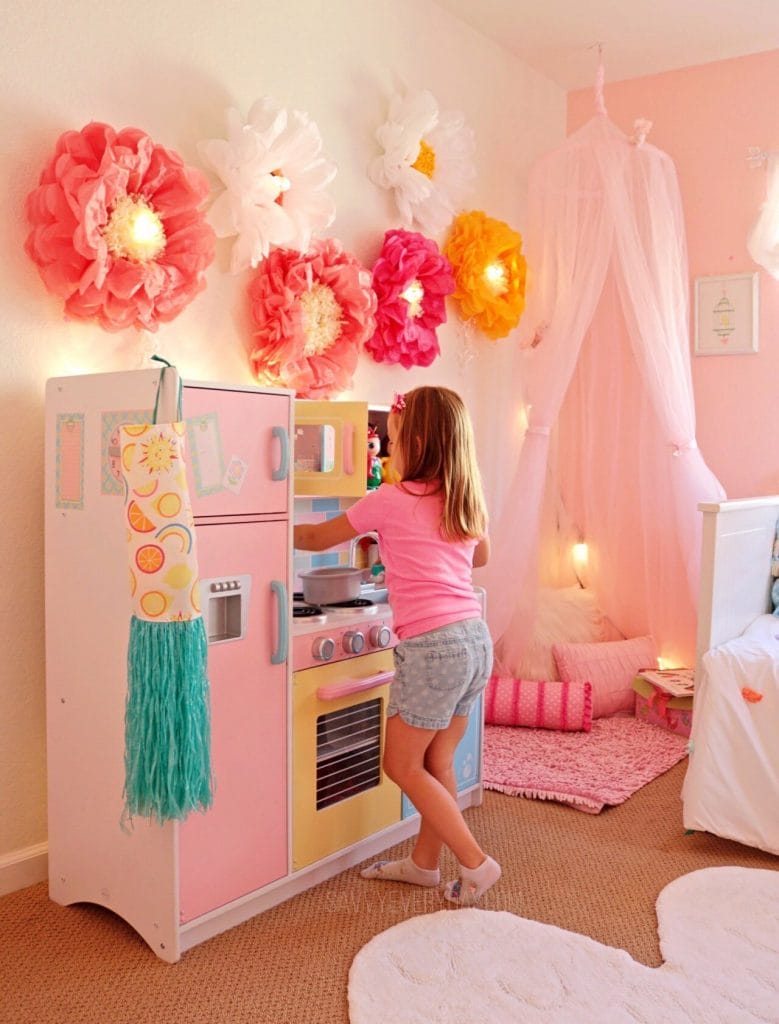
(481, 554)
(320, 536)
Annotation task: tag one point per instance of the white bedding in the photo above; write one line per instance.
(732, 783)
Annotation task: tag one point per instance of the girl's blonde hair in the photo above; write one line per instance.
(435, 439)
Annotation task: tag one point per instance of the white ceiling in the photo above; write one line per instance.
(559, 38)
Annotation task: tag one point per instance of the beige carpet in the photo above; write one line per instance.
(597, 875)
(490, 967)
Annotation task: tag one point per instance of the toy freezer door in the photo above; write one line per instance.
(331, 448)
(237, 450)
(240, 844)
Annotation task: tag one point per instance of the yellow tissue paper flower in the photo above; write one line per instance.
(489, 271)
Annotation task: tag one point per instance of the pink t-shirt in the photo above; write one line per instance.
(428, 578)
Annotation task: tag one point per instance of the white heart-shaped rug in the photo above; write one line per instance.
(719, 936)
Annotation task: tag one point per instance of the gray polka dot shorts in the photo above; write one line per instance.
(440, 673)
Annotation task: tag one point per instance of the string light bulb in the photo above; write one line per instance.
(581, 554)
(414, 293)
(496, 277)
(134, 230)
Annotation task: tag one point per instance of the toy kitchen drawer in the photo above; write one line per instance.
(330, 448)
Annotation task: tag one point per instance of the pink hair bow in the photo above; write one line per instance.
(398, 403)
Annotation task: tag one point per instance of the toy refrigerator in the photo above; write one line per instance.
(176, 883)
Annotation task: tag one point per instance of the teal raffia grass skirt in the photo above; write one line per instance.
(167, 720)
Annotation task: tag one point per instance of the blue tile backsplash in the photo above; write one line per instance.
(327, 504)
(317, 510)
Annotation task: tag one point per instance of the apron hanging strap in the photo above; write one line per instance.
(167, 366)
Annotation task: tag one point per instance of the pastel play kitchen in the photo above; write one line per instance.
(298, 690)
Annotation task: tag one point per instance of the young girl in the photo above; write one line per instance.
(432, 528)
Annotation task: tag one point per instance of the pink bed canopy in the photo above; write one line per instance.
(607, 408)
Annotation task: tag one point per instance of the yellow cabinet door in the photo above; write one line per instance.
(331, 448)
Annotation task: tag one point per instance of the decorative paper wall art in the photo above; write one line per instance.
(275, 179)
(411, 279)
(427, 161)
(489, 271)
(116, 228)
(312, 313)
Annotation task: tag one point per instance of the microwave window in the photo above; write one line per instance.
(314, 448)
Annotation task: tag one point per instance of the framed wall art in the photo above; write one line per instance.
(726, 315)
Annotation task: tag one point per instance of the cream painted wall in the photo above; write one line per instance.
(172, 68)
(705, 118)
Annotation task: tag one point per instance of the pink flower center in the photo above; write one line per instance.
(134, 230)
(414, 293)
(322, 319)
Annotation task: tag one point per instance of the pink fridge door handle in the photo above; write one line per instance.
(348, 433)
(350, 686)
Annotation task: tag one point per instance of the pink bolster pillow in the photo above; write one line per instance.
(538, 704)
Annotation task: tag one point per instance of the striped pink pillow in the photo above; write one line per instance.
(538, 704)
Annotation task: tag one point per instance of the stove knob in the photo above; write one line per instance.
(323, 649)
(380, 636)
(353, 642)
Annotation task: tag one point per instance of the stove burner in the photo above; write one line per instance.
(356, 602)
(305, 611)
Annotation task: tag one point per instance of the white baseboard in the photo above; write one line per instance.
(24, 867)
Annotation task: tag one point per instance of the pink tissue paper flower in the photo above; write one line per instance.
(311, 313)
(411, 279)
(116, 228)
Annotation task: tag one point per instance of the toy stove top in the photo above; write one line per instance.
(336, 632)
(304, 611)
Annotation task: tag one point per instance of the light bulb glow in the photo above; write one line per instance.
(414, 293)
(282, 183)
(581, 553)
(496, 277)
(134, 230)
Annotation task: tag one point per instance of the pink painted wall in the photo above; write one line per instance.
(705, 118)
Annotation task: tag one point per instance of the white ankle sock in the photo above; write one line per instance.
(402, 871)
(473, 882)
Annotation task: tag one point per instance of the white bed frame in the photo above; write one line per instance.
(731, 786)
(735, 568)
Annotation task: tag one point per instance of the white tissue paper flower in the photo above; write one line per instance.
(275, 179)
(427, 161)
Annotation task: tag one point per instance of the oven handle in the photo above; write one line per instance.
(350, 686)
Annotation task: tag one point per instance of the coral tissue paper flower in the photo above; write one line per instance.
(311, 314)
(411, 279)
(489, 271)
(116, 228)
(275, 179)
(427, 161)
